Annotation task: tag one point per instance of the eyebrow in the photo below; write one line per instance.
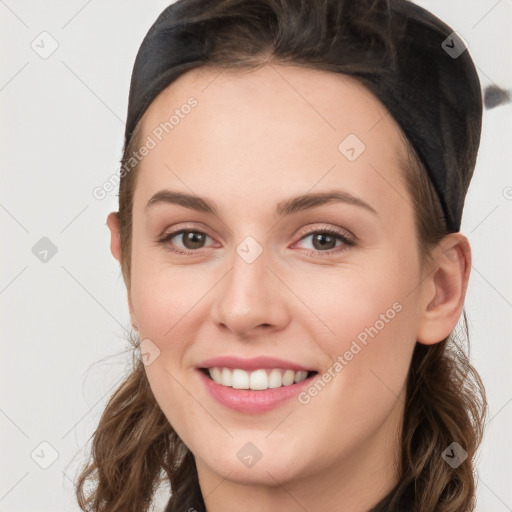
(283, 208)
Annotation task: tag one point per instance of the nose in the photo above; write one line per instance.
(250, 300)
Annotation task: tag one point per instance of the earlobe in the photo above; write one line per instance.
(445, 289)
(115, 236)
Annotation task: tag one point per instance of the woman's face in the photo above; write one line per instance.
(328, 283)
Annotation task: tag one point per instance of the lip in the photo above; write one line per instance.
(248, 400)
(255, 363)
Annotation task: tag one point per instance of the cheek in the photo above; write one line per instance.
(368, 325)
(166, 302)
(349, 300)
(163, 296)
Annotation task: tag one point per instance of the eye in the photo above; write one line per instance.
(324, 240)
(186, 240)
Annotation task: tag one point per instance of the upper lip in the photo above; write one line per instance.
(255, 363)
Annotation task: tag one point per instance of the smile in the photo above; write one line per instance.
(253, 385)
(257, 380)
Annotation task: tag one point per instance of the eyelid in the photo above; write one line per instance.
(329, 228)
(185, 227)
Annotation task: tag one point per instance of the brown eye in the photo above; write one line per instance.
(193, 239)
(185, 239)
(322, 241)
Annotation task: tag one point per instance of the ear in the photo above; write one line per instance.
(115, 249)
(444, 288)
(115, 235)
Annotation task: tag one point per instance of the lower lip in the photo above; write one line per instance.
(250, 401)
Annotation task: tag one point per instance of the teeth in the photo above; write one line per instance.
(240, 379)
(216, 374)
(226, 377)
(256, 380)
(275, 380)
(288, 377)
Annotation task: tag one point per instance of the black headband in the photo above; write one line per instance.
(425, 78)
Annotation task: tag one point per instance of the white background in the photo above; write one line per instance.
(64, 321)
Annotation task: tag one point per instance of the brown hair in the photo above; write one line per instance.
(134, 447)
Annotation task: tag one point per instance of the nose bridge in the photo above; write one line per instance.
(250, 295)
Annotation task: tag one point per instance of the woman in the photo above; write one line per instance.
(291, 191)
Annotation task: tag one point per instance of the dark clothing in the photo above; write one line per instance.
(406, 502)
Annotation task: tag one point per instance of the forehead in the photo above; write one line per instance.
(277, 129)
(275, 96)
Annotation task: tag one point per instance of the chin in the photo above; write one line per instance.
(248, 465)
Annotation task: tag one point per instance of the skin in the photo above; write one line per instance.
(255, 139)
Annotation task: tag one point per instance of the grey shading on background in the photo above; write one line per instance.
(64, 77)
(495, 96)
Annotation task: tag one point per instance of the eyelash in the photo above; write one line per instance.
(347, 242)
(338, 234)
